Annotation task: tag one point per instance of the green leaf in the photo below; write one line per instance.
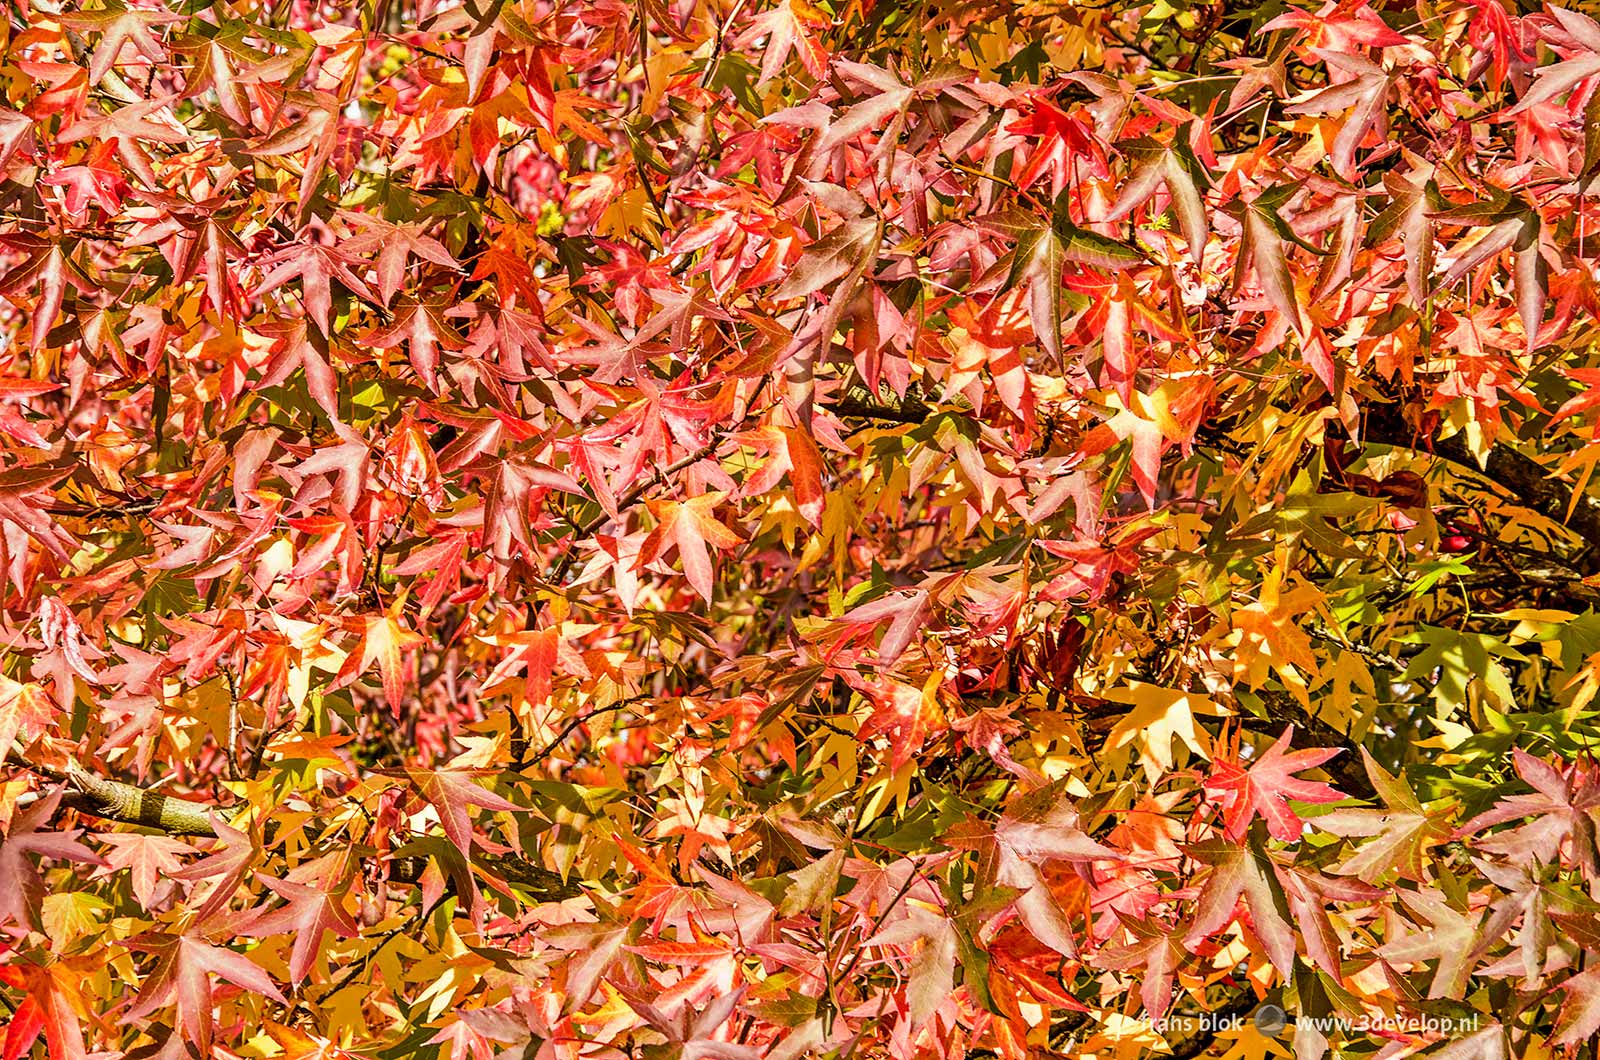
(813, 887)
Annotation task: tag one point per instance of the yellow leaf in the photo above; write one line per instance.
(25, 710)
(614, 1009)
(887, 788)
(384, 641)
(626, 215)
(1158, 715)
(1352, 696)
(70, 916)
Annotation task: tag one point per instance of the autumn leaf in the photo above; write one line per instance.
(1362, 90)
(1029, 836)
(905, 714)
(1563, 808)
(805, 472)
(16, 136)
(1159, 716)
(21, 888)
(1265, 787)
(1263, 251)
(49, 1008)
(25, 712)
(830, 258)
(149, 860)
(120, 29)
(1237, 871)
(425, 332)
(182, 978)
(790, 27)
(906, 612)
(49, 266)
(1450, 939)
(1156, 954)
(316, 267)
(1580, 1013)
(307, 915)
(1184, 178)
(691, 525)
(452, 792)
(887, 100)
(384, 641)
(226, 865)
(396, 245)
(1402, 833)
(933, 961)
(1042, 250)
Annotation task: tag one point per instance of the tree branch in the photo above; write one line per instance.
(113, 800)
(128, 803)
(628, 499)
(1522, 476)
(520, 763)
(1382, 658)
(1240, 1004)
(858, 404)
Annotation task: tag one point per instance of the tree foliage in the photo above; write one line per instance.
(768, 528)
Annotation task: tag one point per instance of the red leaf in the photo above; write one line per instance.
(452, 792)
(691, 525)
(48, 1008)
(1266, 786)
(21, 889)
(228, 863)
(309, 914)
(316, 267)
(149, 858)
(182, 976)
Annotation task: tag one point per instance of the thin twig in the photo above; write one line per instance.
(1381, 657)
(627, 500)
(567, 730)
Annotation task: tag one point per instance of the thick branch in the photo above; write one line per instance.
(1523, 477)
(858, 404)
(116, 801)
(113, 800)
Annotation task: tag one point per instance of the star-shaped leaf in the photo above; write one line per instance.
(1400, 835)
(1265, 788)
(182, 976)
(452, 792)
(309, 914)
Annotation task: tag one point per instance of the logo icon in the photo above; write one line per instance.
(1270, 1020)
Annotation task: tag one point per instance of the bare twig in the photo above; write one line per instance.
(627, 500)
(566, 730)
(1380, 657)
